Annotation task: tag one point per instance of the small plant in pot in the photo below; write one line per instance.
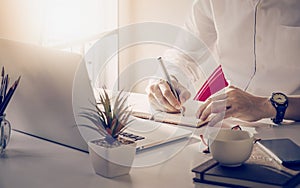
(111, 155)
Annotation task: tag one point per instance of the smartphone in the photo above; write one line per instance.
(284, 151)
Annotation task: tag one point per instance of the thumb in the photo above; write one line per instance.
(184, 94)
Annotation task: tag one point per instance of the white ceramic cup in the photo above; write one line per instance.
(230, 147)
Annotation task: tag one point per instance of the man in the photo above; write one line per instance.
(257, 42)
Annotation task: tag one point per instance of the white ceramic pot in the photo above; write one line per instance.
(112, 161)
(231, 147)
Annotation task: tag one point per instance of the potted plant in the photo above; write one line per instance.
(111, 155)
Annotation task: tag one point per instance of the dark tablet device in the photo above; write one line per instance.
(285, 151)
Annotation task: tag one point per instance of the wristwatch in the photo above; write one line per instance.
(280, 103)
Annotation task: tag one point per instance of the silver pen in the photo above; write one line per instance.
(169, 81)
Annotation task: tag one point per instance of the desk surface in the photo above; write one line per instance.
(30, 162)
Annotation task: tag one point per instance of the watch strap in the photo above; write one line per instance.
(280, 111)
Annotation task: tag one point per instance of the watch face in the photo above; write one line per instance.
(279, 98)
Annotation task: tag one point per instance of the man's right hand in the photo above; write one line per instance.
(161, 97)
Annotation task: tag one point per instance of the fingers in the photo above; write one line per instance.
(168, 97)
(216, 118)
(218, 103)
(202, 108)
(161, 106)
(154, 104)
(214, 107)
(161, 97)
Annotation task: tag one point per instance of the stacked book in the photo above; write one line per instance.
(259, 171)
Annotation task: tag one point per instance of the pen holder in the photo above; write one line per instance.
(5, 131)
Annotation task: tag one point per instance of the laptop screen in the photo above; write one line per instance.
(42, 104)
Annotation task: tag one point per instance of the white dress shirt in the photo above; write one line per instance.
(256, 41)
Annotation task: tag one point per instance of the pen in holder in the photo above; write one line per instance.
(6, 94)
(5, 131)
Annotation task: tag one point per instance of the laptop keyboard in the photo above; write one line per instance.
(132, 136)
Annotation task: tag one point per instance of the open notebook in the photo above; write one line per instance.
(142, 109)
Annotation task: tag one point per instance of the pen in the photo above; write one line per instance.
(9, 95)
(6, 81)
(170, 82)
(2, 83)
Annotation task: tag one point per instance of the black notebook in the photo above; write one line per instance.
(246, 175)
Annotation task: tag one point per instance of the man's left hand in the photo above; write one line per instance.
(238, 104)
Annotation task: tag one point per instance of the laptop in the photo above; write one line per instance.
(147, 133)
(42, 104)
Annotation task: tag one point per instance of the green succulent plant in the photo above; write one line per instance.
(110, 117)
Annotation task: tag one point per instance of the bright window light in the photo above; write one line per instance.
(71, 20)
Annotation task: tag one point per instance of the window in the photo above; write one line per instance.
(76, 24)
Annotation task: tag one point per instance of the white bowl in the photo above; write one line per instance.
(231, 147)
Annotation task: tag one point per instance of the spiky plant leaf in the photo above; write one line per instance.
(111, 116)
